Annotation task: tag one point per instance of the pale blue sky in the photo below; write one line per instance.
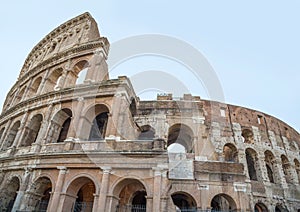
(253, 46)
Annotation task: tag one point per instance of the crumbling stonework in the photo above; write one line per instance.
(74, 140)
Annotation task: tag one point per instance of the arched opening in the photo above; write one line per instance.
(181, 134)
(19, 95)
(80, 70)
(230, 153)
(65, 126)
(53, 80)
(94, 124)
(147, 133)
(34, 87)
(248, 136)
(1, 133)
(260, 207)
(139, 201)
(297, 167)
(270, 174)
(39, 194)
(271, 167)
(287, 169)
(132, 107)
(98, 128)
(80, 195)
(32, 130)
(64, 130)
(252, 164)
(184, 201)
(132, 196)
(8, 194)
(59, 127)
(11, 136)
(81, 76)
(222, 202)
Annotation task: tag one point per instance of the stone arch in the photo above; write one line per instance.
(131, 194)
(80, 70)
(147, 133)
(253, 164)
(260, 207)
(182, 134)
(19, 95)
(287, 169)
(34, 87)
(8, 193)
(230, 153)
(53, 80)
(80, 194)
(95, 123)
(32, 130)
(1, 133)
(8, 142)
(39, 194)
(184, 201)
(59, 127)
(297, 167)
(223, 202)
(272, 171)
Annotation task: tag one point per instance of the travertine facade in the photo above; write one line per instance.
(74, 140)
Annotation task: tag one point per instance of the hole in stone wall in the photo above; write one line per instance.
(147, 133)
(230, 153)
(248, 136)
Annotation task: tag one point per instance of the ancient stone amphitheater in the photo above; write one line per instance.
(74, 140)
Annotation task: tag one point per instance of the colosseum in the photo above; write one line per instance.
(74, 140)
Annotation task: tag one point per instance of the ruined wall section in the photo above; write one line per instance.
(57, 60)
(81, 29)
(243, 126)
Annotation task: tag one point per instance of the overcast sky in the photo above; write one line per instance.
(253, 47)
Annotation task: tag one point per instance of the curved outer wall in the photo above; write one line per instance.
(72, 138)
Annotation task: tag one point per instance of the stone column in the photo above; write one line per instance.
(22, 194)
(6, 130)
(48, 119)
(12, 100)
(21, 130)
(26, 90)
(55, 203)
(263, 168)
(2, 174)
(100, 68)
(70, 79)
(279, 176)
(42, 84)
(73, 133)
(112, 128)
(149, 204)
(61, 82)
(42, 134)
(156, 188)
(104, 188)
(295, 174)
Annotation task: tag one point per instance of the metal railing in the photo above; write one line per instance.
(42, 206)
(131, 208)
(83, 207)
